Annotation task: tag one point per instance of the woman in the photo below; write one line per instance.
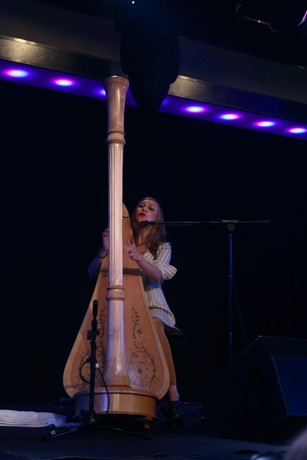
(152, 254)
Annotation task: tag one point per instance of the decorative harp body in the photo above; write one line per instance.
(131, 372)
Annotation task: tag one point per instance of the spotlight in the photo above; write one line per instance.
(286, 15)
(279, 15)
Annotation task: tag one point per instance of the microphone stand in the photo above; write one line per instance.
(89, 417)
(230, 228)
(230, 224)
(183, 223)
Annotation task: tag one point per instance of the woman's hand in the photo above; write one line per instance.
(148, 269)
(132, 252)
(105, 239)
(105, 244)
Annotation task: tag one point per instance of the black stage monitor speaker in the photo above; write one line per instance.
(263, 394)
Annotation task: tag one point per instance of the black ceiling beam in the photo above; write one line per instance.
(54, 38)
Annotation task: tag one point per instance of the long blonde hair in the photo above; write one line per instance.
(157, 232)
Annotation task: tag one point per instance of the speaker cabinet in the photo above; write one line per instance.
(263, 394)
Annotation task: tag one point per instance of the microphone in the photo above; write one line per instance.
(95, 308)
(145, 223)
(184, 223)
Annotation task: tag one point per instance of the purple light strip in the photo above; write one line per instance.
(87, 87)
(239, 118)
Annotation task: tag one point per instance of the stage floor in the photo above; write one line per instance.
(197, 440)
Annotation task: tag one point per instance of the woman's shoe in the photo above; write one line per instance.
(174, 414)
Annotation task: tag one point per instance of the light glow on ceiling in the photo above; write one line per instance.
(195, 109)
(229, 116)
(265, 123)
(298, 130)
(88, 87)
(64, 82)
(16, 73)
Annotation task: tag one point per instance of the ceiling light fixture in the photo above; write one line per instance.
(87, 87)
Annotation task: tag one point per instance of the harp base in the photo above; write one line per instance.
(117, 401)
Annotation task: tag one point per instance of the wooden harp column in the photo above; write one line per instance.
(129, 355)
(115, 362)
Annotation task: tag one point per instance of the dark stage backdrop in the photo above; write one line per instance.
(54, 208)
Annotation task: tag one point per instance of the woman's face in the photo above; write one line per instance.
(147, 210)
